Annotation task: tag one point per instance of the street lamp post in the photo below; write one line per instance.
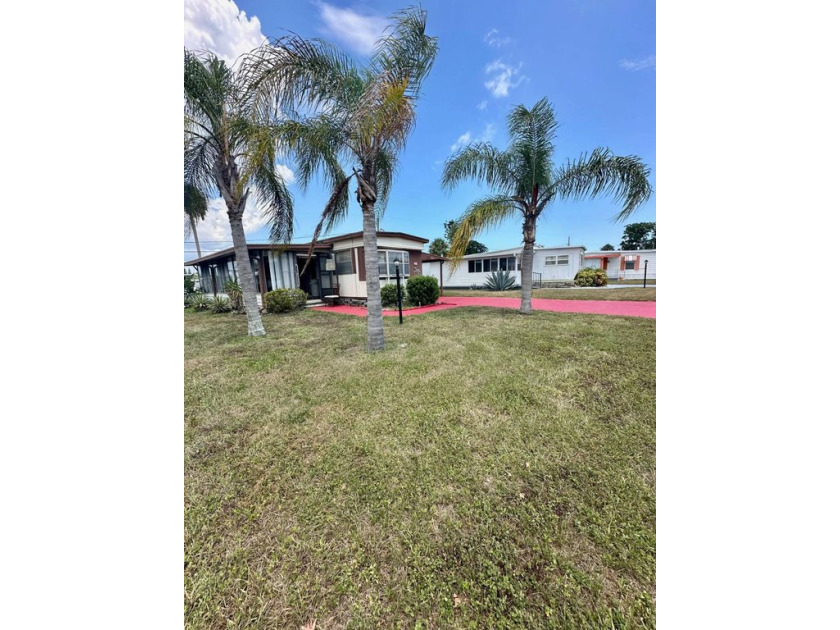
(644, 282)
(399, 287)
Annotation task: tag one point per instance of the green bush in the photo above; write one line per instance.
(388, 292)
(284, 300)
(199, 302)
(422, 290)
(298, 298)
(587, 277)
(234, 293)
(189, 284)
(500, 281)
(220, 304)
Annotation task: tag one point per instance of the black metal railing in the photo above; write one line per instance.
(536, 280)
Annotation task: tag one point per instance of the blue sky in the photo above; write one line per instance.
(595, 61)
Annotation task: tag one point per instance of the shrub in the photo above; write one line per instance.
(189, 284)
(199, 302)
(234, 293)
(220, 304)
(422, 290)
(588, 277)
(284, 300)
(298, 297)
(500, 281)
(388, 292)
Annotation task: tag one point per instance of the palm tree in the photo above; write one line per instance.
(526, 182)
(345, 121)
(195, 209)
(228, 148)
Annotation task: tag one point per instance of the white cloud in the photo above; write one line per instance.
(462, 140)
(503, 79)
(639, 64)
(482, 105)
(494, 39)
(285, 174)
(355, 30)
(214, 230)
(220, 27)
(488, 133)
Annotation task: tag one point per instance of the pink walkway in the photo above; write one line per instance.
(598, 307)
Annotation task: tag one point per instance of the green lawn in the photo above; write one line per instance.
(487, 470)
(645, 294)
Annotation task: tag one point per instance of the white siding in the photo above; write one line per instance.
(349, 284)
(461, 276)
(614, 264)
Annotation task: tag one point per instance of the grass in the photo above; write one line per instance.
(650, 282)
(487, 470)
(635, 295)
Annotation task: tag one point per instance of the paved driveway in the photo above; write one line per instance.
(598, 307)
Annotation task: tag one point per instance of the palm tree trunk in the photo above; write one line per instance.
(376, 328)
(529, 232)
(195, 236)
(244, 271)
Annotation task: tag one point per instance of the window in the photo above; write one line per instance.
(494, 264)
(471, 266)
(511, 263)
(630, 263)
(343, 264)
(486, 265)
(502, 264)
(387, 272)
(556, 260)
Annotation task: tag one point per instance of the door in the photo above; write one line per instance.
(309, 279)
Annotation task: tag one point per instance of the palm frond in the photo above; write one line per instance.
(405, 51)
(195, 203)
(383, 115)
(602, 173)
(199, 158)
(532, 132)
(480, 215)
(385, 166)
(293, 71)
(317, 144)
(334, 212)
(481, 162)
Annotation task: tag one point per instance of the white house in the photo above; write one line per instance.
(623, 264)
(553, 266)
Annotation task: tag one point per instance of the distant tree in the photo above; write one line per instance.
(473, 247)
(438, 247)
(195, 209)
(639, 236)
(608, 248)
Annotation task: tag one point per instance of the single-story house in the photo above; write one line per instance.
(623, 264)
(553, 266)
(337, 266)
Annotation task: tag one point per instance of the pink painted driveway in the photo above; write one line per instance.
(597, 307)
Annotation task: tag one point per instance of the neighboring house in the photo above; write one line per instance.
(337, 266)
(435, 266)
(623, 264)
(553, 266)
